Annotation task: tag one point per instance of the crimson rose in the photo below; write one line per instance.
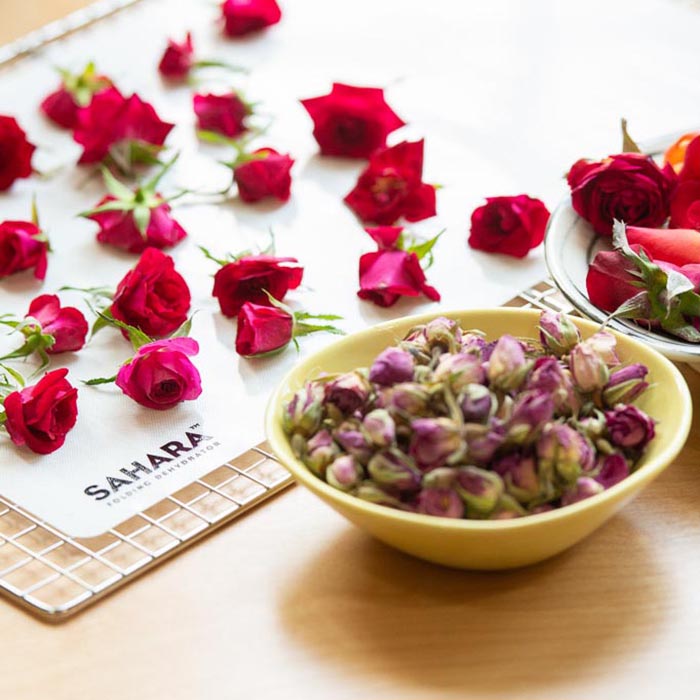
(265, 173)
(351, 121)
(153, 296)
(221, 114)
(41, 416)
(391, 186)
(22, 247)
(246, 16)
(262, 330)
(178, 59)
(66, 324)
(510, 225)
(629, 187)
(15, 152)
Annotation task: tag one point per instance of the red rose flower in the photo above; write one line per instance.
(41, 416)
(510, 225)
(611, 280)
(266, 174)
(119, 228)
(178, 59)
(246, 16)
(262, 330)
(249, 277)
(691, 160)
(222, 114)
(61, 108)
(161, 375)
(112, 123)
(386, 237)
(685, 205)
(629, 187)
(66, 324)
(391, 186)
(15, 152)
(153, 296)
(351, 121)
(22, 248)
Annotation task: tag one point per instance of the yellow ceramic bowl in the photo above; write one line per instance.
(476, 544)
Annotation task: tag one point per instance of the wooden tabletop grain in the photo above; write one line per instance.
(319, 610)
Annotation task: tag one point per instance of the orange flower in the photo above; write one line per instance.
(675, 154)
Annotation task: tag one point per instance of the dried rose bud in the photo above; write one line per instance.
(458, 370)
(585, 487)
(507, 365)
(478, 404)
(549, 375)
(507, 508)
(592, 427)
(349, 392)
(629, 427)
(392, 366)
(565, 452)
(443, 502)
(353, 440)
(443, 333)
(379, 427)
(440, 478)
(480, 489)
(558, 332)
(407, 400)
(589, 369)
(612, 469)
(321, 450)
(473, 343)
(625, 384)
(436, 442)
(344, 473)
(304, 411)
(519, 474)
(481, 448)
(531, 410)
(604, 344)
(394, 469)
(369, 491)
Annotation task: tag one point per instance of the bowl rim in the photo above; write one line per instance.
(282, 449)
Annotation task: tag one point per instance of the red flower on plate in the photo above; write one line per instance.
(66, 324)
(15, 152)
(245, 16)
(221, 114)
(127, 129)
(178, 59)
(391, 186)
(264, 173)
(262, 330)
(509, 225)
(22, 247)
(351, 121)
(153, 296)
(40, 416)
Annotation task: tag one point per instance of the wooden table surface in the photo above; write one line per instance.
(319, 610)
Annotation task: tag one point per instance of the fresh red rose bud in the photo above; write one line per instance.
(629, 187)
(351, 121)
(16, 150)
(344, 473)
(611, 281)
(436, 442)
(262, 330)
(392, 366)
(22, 247)
(508, 225)
(386, 237)
(265, 173)
(629, 427)
(558, 332)
(66, 324)
(221, 114)
(161, 374)
(153, 296)
(125, 128)
(613, 469)
(391, 186)
(178, 59)
(248, 278)
(40, 416)
(585, 487)
(625, 384)
(442, 502)
(349, 392)
(245, 16)
(61, 108)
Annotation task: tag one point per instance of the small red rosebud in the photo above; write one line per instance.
(245, 16)
(265, 174)
(221, 114)
(262, 330)
(178, 59)
(16, 150)
(66, 324)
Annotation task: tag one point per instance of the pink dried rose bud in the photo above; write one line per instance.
(303, 413)
(611, 470)
(588, 368)
(351, 438)
(531, 411)
(440, 478)
(549, 376)
(370, 492)
(629, 427)
(519, 474)
(564, 452)
(321, 450)
(394, 469)
(473, 343)
(445, 503)
(483, 447)
(349, 392)
(477, 402)
(379, 427)
(405, 400)
(507, 365)
(507, 508)
(625, 384)
(480, 489)
(344, 473)
(604, 344)
(458, 370)
(436, 442)
(392, 366)
(585, 487)
(443, 333)
(558, 333)
(66, 324)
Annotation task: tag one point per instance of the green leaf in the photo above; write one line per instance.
(184, 330)
(115, 187)
(308, 328)
(14, 374)
(99, 380)
(100, 323)
(302, 316)
(425, 249)
(142, 216)
(628, 143)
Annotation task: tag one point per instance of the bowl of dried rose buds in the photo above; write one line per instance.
(484, 439)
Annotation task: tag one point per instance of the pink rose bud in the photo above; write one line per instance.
(604, 343)
(531, 410)
(592, 427)
(483, 447)
(629, 427)
(625, 384)
(473, 343)
(613, 469)
(349, 392)
(548, 375)
(406, 400)
(222, 114)
(589, 369)
(66, 324)
(372, 493)
(392, 366)
(178, 59)
(393, 469)
(443, 333)
(558, 333)
(353, 440)
(344, 473)
(519, 474)
(480, 489)
(507, 508)
(443, 502)
(459, 370)
(262, 330)
(585, 487)
(440, 478)
(304, 411)
(507, 365)
(564, 452)
(161, 375)
(321, 450)
(436, 442)
(478, 404)
(379, 427)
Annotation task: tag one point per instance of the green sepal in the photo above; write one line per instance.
(142, 217)
(14, 374)
(184, 330)
(99, 380)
